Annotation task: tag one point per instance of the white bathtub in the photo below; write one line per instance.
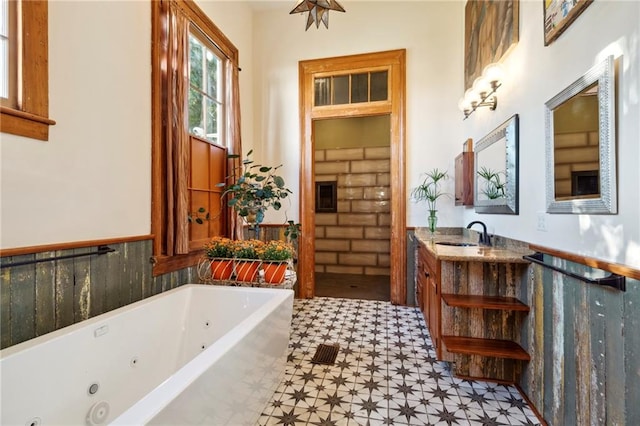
(193, 355)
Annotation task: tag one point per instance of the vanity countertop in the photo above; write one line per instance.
(475, 253)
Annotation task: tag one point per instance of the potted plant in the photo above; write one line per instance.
(219, 251)
(275, 256)
(292, 231)
(429, 191)
(247, 260)
(256, 189)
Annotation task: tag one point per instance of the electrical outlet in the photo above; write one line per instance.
(542, 221)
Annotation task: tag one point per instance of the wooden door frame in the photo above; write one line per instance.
(395, 62)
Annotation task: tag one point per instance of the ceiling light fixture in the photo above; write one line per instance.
(318, 11)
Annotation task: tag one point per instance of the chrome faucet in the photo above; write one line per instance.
(485, 238)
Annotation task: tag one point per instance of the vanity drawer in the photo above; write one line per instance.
(427, 259)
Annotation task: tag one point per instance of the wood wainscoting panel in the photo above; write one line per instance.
(584, 353)
(39, 298)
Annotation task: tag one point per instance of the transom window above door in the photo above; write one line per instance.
(351, 88)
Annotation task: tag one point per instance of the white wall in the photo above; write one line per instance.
(432, 34)
(534, 74)
(92, 178)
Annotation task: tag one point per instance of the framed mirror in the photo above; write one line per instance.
(580, 145)
(496, 170)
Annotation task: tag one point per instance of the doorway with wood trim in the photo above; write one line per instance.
(352, 209)
(323, 83)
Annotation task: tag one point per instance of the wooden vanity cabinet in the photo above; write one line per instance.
(473, 315)
(429, 282)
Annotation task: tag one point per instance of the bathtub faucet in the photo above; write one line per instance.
(485, 239)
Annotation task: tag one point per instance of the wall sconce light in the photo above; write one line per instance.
(481, 93)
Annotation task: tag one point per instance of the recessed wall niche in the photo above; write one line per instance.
(326, 197)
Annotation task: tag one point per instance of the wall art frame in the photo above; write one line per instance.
(558, 15)
(491, 29)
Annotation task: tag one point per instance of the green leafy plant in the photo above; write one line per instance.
(494, 187)
(292, 230)
(256, 189)
(429, 190)
(199, 216)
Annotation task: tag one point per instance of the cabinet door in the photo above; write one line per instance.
(420, 289)
(464, 179)
(425, 296)
(434, 312)
(422, 282)
(428, 275)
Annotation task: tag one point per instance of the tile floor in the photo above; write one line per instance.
(385, 373)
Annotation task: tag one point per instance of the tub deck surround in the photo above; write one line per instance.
(470, 297)
(193, 355)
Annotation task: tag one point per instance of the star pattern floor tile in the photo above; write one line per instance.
(386, 373)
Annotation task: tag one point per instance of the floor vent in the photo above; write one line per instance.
(326, 354)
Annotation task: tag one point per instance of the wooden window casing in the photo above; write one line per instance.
(205, 162)
(27, 113)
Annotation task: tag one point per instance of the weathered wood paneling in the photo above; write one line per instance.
(585, 348)
(64, 290)
(98, 292)
(133, 271)
(631, 322)
(5, 308)
(45, 295)
(23, 293)
(81, 285)
(39, 298)
(114, 283)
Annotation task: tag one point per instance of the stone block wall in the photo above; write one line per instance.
(355, 239)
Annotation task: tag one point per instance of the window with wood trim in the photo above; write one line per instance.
(24, 74)
(196, 124)
(9, 57)
(206, 89)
